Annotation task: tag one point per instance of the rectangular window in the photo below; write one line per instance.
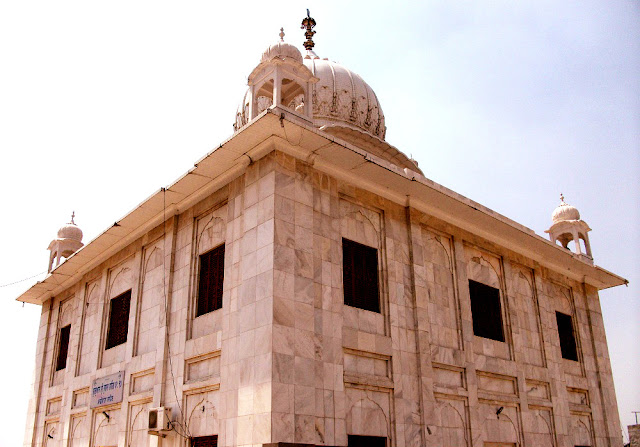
(486, 311)
(63, 348)
(210, 281)
(567, 339)
(205, 441)
(366, 441)
(360, 276)
(118, 320)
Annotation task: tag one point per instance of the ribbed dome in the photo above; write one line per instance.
(565, 212)
(70, 231)
(281, 50)
(341, 97)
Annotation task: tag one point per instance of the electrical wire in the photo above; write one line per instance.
(23, 280)
(285, 133)
(183, 426)
(175, 425)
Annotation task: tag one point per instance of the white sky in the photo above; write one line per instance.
(507, 103)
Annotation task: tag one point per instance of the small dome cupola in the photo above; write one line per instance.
(70, 231)
(281, 50)
(565, 212)
(280, 79)
(567, 227)
(67, 242)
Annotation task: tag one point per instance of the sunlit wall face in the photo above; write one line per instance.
(544, 97)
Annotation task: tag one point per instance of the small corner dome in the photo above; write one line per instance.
(70, 231)
(281, 50)
(565, 212)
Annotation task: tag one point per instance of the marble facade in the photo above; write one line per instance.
(285, 362)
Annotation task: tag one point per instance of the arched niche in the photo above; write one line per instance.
(366, 418)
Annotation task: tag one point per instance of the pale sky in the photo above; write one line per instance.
(508, 103)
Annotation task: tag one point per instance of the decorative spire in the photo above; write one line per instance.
(281, 34)
(562, 202)
(308, 23)
(73, 214)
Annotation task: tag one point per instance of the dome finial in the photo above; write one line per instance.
(281, 34)
(73, 214)
(567, 226)
(308, 23)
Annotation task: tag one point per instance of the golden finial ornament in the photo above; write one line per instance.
(308, 23)
(281, 34)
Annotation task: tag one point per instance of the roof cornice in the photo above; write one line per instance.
(268, 132)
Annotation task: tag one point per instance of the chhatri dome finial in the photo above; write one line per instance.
(308, 23)
(281, 34)
(567, 226)
(67, 242)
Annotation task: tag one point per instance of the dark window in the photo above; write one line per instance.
(119, 320)
(205, 441)
(567, 339)
(210, 281)
(360, 276)
(485, 311)
(63, 348)
(366, 441)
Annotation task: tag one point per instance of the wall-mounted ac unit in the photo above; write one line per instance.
(159, 420)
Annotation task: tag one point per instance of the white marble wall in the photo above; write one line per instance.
(285, 361)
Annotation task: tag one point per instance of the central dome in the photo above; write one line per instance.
(325, 94)
(343, 98)
(341, 101)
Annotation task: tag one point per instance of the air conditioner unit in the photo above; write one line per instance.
(159, 420)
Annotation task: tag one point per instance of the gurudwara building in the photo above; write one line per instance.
(305, 285)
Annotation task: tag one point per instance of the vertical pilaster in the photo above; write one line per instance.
(421, 324)
(601, 382)
(475, 422)
(33, 417)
